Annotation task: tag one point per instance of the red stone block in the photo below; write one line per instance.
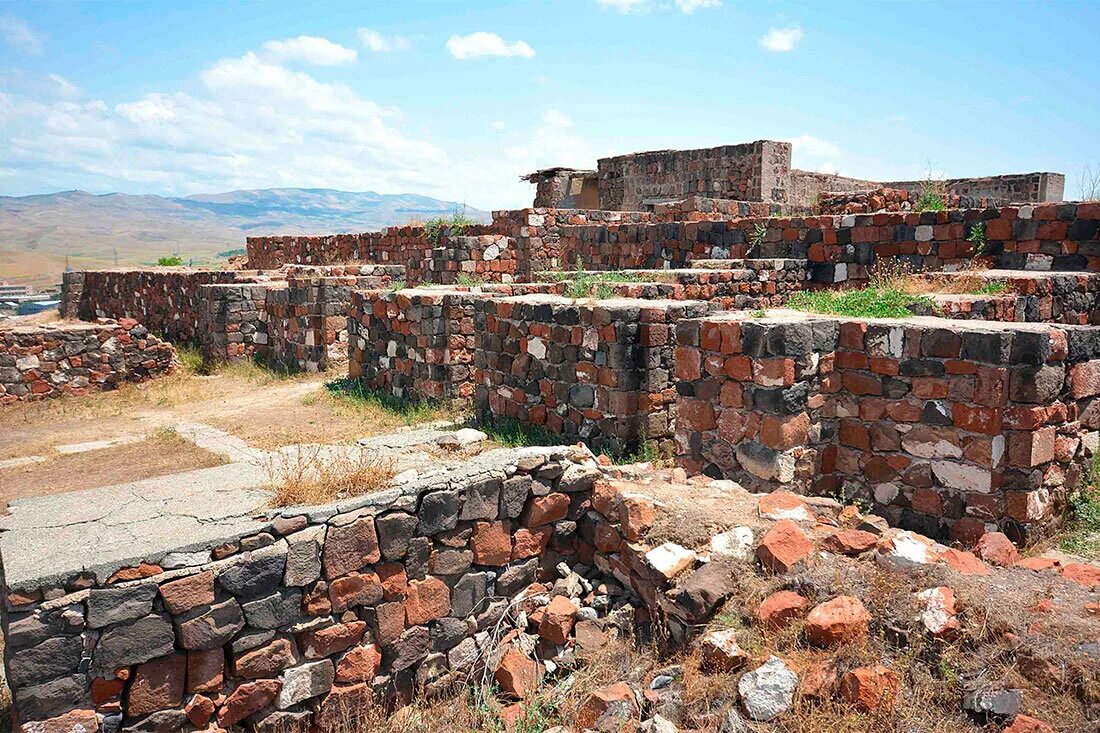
(1028, 449)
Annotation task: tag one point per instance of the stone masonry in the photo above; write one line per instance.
(46, 361)
(942, 427)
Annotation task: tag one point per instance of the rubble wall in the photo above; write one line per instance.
(600, 371)
(939, 427)
(309, 317)
(757, 171)
(413, 343)
(47, 361)
(843, 248)
(314, 614)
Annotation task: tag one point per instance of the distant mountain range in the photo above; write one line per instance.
(37, 233)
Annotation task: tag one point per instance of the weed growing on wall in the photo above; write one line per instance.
(1082, 533)
(976, 236)
(869, 302)
(759, 232)
(434, 229)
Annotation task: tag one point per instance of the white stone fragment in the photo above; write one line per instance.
(670, 559)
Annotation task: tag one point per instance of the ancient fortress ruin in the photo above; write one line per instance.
(977, 414)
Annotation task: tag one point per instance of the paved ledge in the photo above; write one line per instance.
(47, 540)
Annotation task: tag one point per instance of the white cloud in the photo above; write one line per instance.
(624, 6)
(64, 87)
(372, 40)
(781, 39)
(690, 6)
(814, 153)
(16, 32)
(249, 123)
(814, 146)
(311, 49)
(480, 44)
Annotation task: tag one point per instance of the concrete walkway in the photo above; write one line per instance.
(46, 541)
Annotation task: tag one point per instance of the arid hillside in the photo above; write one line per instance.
(37, 233)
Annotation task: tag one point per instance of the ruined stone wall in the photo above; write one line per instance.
(489, 258)
(842, 248)
(942, 428)
(164, 300)
(565, 189)
(47, 361)
(1036, 188)
(414, 343)
(600, 371)
(390, 246)
(234, 322)
(307, 618)
(808, 187)
(1045, 297)
(757, 171)
(309, 318)
(700, 208)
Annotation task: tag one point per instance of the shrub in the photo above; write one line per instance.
(173, 261)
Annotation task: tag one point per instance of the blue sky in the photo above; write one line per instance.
(456, 99)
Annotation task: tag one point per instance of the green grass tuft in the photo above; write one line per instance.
(410, 411)
(992, 287)
(596, 284)
(512, 433)
(1082, 531)
(869, 302)
(190, 357)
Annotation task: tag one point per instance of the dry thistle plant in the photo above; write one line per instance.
(318, 474)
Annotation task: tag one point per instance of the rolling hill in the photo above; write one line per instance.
(38, 232)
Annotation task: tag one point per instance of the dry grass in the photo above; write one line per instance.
(317, 474)
(895, 275)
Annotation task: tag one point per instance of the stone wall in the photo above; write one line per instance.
(309, 317)
(1018, 188)
(808, 187)
(757, 171)
(47, 361)
(234, 322)
(701, 208)
(390, 246)
(599, 371)
(842, 248)
(413, 343)
(166, 301)
(940, 427)
(311, 616)
(565, 188)
(489, 258)
(1028, 297)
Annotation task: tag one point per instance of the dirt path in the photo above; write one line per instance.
(264, 410)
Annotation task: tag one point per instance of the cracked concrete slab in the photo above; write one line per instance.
(48, 540)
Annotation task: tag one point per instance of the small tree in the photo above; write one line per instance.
(172, 261)
(1088, 181)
